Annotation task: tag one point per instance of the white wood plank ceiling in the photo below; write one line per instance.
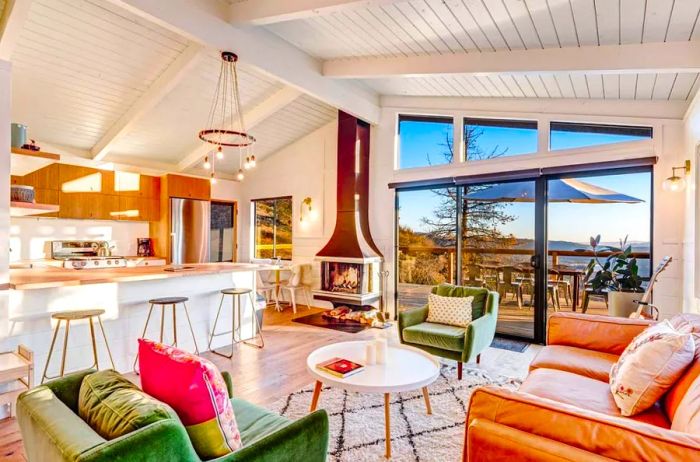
(445, 27)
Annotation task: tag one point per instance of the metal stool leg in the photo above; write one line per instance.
(194, 338)
(53, 342)
(162, 321)
(143, 335)
(65, 348)
(258, 328)
(94, 344)
(236, 318)
(109, 352)
(214, 334)
(174, 327)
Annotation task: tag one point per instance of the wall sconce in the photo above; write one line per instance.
(676, 183)
(306, 209)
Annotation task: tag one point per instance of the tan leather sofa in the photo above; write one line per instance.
(564, 410)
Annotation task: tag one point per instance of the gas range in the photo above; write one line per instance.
(94, 262)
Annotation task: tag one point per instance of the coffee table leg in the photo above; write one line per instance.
(317, 393)
(387, 424)
(427, 401)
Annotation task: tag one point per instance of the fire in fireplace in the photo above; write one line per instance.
(342, 277)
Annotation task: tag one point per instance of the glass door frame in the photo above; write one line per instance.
(540, 257)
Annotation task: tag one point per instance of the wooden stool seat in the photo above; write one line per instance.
(236, 291)
(76, 315)
(168, 300)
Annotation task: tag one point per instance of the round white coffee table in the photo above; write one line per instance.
(406, 369)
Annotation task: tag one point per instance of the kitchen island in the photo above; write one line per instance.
(123, 293)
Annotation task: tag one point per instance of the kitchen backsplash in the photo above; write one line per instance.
(29, 236)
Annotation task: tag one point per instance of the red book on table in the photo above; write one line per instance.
(340, 367)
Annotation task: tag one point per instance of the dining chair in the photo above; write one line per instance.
(510, 284)
(267, 287)
(474, 277)
(298, 282)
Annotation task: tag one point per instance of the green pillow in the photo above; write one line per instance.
(113, 406)
(479, 294)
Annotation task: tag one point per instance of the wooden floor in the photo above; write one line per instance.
(262, 376)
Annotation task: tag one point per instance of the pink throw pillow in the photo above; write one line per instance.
(195, 389)
(649, 367)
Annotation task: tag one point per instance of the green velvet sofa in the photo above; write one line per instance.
(452, 342)
(53, 431)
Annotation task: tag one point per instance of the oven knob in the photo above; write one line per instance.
(97, 263)
(83, 263)
(109, 262)
(76, 264)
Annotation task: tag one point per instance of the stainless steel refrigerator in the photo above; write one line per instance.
(189, 231)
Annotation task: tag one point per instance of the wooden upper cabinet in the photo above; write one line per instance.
(44, 178)
(88, 205)
(188, 187)
(136, 185)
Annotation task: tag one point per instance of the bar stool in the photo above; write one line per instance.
(163, 303)
(67, 317)
(236, 295)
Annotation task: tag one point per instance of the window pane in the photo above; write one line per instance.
(221, 235)
(264, 229)
(425, 141)
(427, 243)
(489, 138)
(567, 135)
(273, 228)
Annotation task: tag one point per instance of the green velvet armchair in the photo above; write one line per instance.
(458, 343)
(53, 431)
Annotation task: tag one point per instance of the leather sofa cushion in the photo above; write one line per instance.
(113, 406)
(479, 293)
(589, 363)
(435, 335)
(682, 402)
(584, 392)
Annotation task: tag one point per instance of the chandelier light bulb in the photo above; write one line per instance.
(206, 164)
(212, 179)
(246, 164)
(252, 162)
(240, 175)
(219, 153)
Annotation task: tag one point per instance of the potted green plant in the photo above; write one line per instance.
(617, 274)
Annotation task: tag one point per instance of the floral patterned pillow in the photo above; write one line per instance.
(455, 311)
(649, 366)
(195, 389)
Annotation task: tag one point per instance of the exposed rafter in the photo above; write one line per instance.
(207, 21)
(11, 22)
(252, 117)
(262, 12)
(155, 93)
(634, 58)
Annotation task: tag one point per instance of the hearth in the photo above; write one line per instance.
(351, 261)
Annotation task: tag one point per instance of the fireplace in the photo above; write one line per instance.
(351, 261)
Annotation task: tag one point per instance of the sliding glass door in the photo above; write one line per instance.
(528, 239)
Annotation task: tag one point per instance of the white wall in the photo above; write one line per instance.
(302, 169)
(691, 129)
(30, 237)
(5, 92)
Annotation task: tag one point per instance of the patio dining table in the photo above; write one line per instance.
(562, 270)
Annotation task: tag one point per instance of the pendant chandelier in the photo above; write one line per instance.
(225, 126)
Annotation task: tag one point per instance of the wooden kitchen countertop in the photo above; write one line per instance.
(43, 278)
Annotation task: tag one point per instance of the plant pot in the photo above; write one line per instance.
(622, 304)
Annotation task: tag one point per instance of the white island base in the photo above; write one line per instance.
(126, 308)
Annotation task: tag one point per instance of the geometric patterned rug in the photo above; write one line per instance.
(357, 419)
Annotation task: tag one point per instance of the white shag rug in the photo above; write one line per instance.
(357, 420)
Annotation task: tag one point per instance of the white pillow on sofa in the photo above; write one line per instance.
(649, 367)
(454, 311)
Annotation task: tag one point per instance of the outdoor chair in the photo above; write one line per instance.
(511, 284)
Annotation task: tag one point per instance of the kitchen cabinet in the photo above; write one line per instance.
(138, 208)
(135, 185)
(88, 205)
(188, 187)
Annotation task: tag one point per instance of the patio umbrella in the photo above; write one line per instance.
(563, 190)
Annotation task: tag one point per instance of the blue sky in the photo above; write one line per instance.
(569, 222)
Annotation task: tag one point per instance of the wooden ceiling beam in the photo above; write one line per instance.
(155, 93)
(607, 59)
(264, 12)
(207, 22)
(252, 117)
(12, 20)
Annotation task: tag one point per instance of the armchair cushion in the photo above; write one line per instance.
(255, 422)
(435, 335)
(583, 392)
(479, 294)
(590, 363)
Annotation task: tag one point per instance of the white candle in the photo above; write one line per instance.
(382, 348)
(370, 354)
